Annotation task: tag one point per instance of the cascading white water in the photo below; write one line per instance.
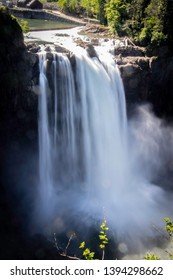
(45, 153)
(85, 158)
(64, 145)
(103, 123)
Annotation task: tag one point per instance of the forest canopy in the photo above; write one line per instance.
(148, 22)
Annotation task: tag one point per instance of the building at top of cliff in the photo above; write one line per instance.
(35, 4)
(30, 4)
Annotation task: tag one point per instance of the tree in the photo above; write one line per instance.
(70, 6)
(91, 7)
(102, 11)
(148, 22)
(116, 13)
(153, 30)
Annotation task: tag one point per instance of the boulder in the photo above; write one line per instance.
(91, 51)
(128, 70)
(129, 51)
(95, 41)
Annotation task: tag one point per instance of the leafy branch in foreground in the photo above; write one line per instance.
(169, 226)
(87, 253)
(169, 229)
(150, 256)
(103, 237)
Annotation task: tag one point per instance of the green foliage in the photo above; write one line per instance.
(12, 21)
(169, 229)
(88, 8)
(116, 13)
(169, 226)
(87, 253)
(103, 235)
(101, 11)
(148, 22)
(70, 6)
(24, 25)
(149, 256)
(3, 9)
(152, 32)
(9, 25)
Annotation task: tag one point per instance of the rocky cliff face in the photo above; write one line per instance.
(19, 146)
(147, 79)
(135, 68)
(15, 66)
(161, 95)
(18, 130)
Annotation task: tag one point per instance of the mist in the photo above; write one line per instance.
(94, 163)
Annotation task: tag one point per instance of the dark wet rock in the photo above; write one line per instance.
(19, 134)
(62, 35)
(99, 30)
(33, 48)
(135, 68)
(132, 51)
(81, 43)
(129, 70)
(95, 41)
(33, 58)
(147, 79)
(91, 51)
(47, 49)
(162, 85)
(60, 49)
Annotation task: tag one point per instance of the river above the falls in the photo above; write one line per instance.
(51, 36)
(70, 38)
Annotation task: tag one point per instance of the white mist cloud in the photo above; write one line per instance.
(116, 165)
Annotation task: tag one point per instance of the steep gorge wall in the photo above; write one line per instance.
(15, 67)
(18, 141)
(147, 79)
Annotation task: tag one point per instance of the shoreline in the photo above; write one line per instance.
(50, 29)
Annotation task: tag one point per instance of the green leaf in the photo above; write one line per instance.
(102, 237)
(151, 257)
(86, 252)
(105, 242)
(82, 245)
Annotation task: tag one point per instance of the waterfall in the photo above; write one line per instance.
(85, 157)
(45, 153)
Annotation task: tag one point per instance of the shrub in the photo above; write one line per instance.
(87, 253)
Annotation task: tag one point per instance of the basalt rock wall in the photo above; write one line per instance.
(18, 136)
(147, 78)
